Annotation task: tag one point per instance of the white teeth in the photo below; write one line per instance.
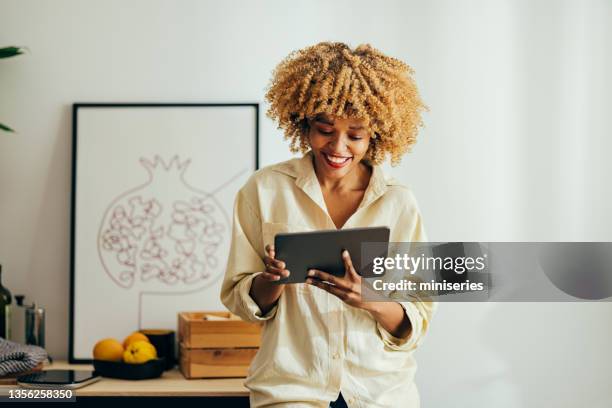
(338, 160)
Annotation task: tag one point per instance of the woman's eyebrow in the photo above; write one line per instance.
(356, 127)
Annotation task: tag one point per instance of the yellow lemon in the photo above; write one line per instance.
(139, 352)
(108, 349)
(136, 336)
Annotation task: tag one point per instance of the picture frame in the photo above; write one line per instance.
(153, 186)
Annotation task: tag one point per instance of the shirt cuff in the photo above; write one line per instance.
(410, 342)
(250, 306)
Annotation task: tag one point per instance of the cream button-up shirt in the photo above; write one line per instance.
(313, 344)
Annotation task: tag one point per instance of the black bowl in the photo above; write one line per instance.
(113, 369)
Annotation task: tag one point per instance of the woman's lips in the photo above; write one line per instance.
(337, 162)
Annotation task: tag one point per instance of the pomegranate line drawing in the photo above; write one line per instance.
(164, 236)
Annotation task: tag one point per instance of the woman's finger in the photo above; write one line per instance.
(328, 277)
(270, 250)
(277, 271)
(270, 276)
(268, 261)
(348, 264)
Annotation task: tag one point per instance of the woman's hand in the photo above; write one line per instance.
(346, 288)
(390, 315)
(275, 269)
(263, 291)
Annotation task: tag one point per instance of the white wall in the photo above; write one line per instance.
(515, 148)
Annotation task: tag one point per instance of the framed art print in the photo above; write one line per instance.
(152, 200)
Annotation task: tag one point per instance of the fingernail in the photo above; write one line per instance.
(282, 265)
(311, 272)
(345, 253)
(288, 273)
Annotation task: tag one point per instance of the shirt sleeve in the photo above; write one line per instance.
(244, 263)
(409, 228)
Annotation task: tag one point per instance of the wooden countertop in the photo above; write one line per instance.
(170, 384)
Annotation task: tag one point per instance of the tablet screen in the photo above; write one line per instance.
(323, 250)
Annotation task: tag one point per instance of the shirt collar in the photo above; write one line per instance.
(302, 170)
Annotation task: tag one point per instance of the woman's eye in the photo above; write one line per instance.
(356, 137)
(326, 132)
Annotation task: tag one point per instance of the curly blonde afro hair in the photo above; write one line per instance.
(362, 83)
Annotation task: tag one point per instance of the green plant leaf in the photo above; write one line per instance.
(8, 52)
(6, 128)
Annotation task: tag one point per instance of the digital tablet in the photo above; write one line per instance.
(322, 250)
(59, 379)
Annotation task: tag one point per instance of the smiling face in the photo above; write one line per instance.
(338, 144)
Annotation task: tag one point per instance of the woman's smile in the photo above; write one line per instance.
(336, 161)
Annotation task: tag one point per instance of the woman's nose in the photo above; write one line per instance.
(338, 142)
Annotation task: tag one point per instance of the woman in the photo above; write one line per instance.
(347, 110)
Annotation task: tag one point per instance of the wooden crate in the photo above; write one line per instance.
(211, 363)
(195, 332)
(216, 348)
